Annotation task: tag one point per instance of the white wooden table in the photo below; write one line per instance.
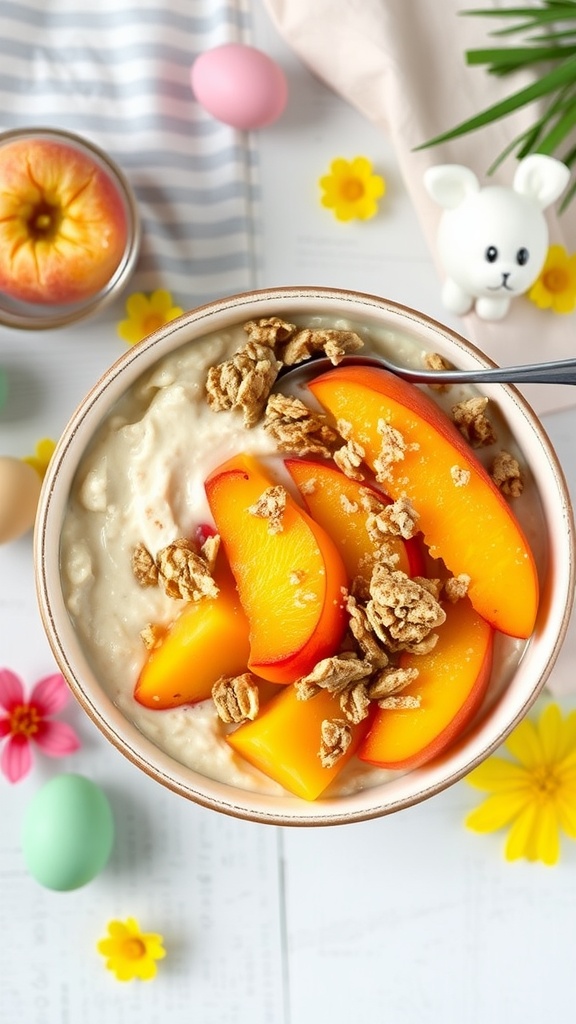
(405, 920)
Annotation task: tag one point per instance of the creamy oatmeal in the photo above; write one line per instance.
(142, 483)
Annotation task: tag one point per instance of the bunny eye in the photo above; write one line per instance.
(522, 257)
(491, 254)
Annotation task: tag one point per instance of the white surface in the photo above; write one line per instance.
(406, 920)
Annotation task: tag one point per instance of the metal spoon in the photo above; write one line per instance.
(563, 371)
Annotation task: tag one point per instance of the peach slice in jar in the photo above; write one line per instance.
(337, 503)
(288, 571)
(416, 451)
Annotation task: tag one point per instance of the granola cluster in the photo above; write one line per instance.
(477, 429)
(434, 361)
(392, 450)
(184, 572)
(506, 474)
(357, 681)
(295, 428)
(237, 699)
(472, 422)
(271, 505)
(350, 456)
(245, 381)
(402, 610)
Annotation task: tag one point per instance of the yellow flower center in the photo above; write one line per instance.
(546, 782)
(352, 189)
(133, 948)
(556, 280)
(24, 720)
(152, 321)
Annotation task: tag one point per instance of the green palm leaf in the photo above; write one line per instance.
(555, 48)
(555, 79)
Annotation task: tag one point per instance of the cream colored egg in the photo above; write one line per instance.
(20, 486)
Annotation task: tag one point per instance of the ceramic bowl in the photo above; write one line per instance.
(34, 316)
(516, 680)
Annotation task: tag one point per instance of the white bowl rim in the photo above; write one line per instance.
(405, 790)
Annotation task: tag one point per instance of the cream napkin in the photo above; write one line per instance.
(401, 64)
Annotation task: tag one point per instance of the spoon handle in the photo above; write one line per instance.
(562, 371)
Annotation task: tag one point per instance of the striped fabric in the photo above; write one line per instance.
(118, 73)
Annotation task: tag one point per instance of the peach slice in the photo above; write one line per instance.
(290, 576)
(284, 741)
(334, 501)
(452, 680)
(464, 518)
(209, 639)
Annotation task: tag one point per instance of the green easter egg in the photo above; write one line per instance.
(68, 833)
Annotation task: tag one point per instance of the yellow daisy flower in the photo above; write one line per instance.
(555, 288)
(351, 190)
(131, 953)
(146, 314)
(42, 454)
(535, 793)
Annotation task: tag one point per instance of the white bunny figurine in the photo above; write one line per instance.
(493, 241)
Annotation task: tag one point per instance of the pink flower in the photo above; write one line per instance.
(28, 722)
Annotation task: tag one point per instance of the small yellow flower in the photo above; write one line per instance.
(147, 314)
(351, 190)
(43, 452)
(555, 288)
(131, 953)
(536, 792)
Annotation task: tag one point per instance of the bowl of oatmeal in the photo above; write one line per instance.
(251, 601)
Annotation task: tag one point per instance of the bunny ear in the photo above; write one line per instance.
(450, 184)
(541, 178)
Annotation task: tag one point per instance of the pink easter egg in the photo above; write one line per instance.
(239, 85)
